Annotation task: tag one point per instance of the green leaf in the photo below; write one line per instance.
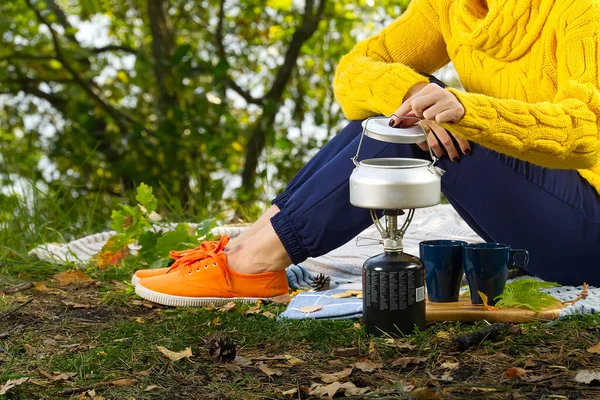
(146, 198)
(118, 220)
(148, 241)
(179, 239)
(55, 64)
(203, 228)
(526, 293)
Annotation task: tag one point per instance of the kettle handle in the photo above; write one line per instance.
(434, 159)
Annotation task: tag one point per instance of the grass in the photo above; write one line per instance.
(101, 332)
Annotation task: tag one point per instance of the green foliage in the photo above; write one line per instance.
(153, 101)
(526, 293)
(134, 224)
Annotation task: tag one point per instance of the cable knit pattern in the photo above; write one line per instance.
(531, 69)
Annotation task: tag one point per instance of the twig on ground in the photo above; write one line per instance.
(21, 287)
(582, 296)
(16, 309)
(471, 339)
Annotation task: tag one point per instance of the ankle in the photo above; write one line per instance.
(244, 260)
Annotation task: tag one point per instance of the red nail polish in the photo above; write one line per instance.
(468, 152)
(391, 122)
(456, 160)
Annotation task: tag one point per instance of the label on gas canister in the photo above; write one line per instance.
(392, 290)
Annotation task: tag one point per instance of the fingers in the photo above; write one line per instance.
(464, 145)
(423, 146)
(443, 143)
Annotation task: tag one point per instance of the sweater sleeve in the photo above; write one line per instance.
(562, 133)
(378, 72)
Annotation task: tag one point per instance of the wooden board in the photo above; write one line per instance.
(464, 311)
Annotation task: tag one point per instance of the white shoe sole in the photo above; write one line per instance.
(180, 301)
(134, 280)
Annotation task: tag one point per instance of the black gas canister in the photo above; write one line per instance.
(393, 294)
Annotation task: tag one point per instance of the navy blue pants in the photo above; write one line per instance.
(554, 214)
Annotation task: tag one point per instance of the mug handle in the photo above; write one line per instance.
(513, 253)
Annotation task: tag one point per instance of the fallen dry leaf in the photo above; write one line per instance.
(11, 383)
(173, 355)
(252, 310)
(57, 376)
(152, 387)
(330, 390)
(449, 365)
(367, 366)
(443, 335)
(232, 368)
(78, 305)
(290, 392)
(424, 393)
(336, 376)
(347, 352)
(309, 309)
(588, 377)
(227, 307)
(123, 382)
(210, 307)
(342, 295)
(399, 343)
(594, 349)
(404, 362)
(269, 314)
(242, 361)
(515, 372)
(529, 363)
(268, 371)
(293, 360)
(75, 277)
(41, 287)
(356, 326)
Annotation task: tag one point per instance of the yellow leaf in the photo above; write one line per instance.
(122, 76)
(282, 5)
(227, 307)
(41, 287)
(174, 355)
(309, 309)
(55, 64)
(594, 349)
(123, 382)
(75, 277)
(237, 146)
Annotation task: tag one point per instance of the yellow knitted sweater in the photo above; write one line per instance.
(531, 69)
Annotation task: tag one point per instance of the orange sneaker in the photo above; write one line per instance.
(207, 278)
(176, 255)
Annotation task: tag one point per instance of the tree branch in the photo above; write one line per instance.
(220, 45)
(113, 47)
(257, 141)
(62, 18)
(114, 113)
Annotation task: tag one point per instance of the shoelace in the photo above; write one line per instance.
(204, 254)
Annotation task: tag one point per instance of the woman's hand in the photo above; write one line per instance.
(434, 105)
(441, 142)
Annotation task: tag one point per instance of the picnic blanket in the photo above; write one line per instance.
(335, 308)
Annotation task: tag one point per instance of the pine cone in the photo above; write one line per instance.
(321, 282)
(221, 347)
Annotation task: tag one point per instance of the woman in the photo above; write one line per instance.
(531, 177)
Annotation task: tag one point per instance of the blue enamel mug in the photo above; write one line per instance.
(443, 261)
(486, 268)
